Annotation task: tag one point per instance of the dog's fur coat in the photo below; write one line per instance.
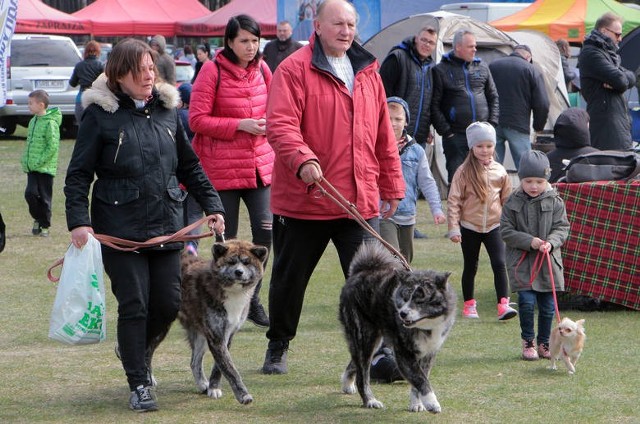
(414, 312)
(215, 303)
(567, 342)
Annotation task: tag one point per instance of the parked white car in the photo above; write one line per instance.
(40, 62)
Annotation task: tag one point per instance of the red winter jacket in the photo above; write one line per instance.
(231, 157)
(312, 116)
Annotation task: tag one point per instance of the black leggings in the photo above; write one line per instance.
(494, 245)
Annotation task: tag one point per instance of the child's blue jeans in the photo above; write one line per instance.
(527, 300)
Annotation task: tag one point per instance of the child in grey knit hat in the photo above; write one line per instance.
(534, 221)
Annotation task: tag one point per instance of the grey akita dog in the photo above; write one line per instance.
(215, 303)
(414, 312)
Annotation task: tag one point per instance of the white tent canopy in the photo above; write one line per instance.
(492, 44)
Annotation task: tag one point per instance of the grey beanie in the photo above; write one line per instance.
(401, 102)
(534, 164)
(478, 132)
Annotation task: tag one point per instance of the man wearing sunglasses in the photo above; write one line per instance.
(604, 82)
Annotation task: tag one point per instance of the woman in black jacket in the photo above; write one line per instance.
(85, 73)
(132, 141)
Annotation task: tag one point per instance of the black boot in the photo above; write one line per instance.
(275, 359)
(257, 315)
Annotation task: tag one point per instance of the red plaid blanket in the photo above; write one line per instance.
(601, 254)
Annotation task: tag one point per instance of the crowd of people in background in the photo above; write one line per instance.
(265, 127)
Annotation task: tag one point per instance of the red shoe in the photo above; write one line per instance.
(505, 311)
(469, 310)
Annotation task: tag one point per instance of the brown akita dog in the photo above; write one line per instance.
(215, 304)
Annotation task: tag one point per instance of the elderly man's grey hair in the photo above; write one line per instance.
(459, 35)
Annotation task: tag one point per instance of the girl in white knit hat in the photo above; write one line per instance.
(478, 190)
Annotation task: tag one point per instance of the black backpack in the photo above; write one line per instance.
(605, 165)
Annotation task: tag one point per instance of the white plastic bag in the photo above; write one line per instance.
(78, 315)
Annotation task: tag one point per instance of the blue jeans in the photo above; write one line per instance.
(519, 144)
(527, 300)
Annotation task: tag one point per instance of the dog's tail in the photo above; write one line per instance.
(372, 256)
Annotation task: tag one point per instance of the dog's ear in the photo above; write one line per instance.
(441, 279)
(580, 323)
(260, 252)
(218, 250)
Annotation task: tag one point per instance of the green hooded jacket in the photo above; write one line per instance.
(43, 142)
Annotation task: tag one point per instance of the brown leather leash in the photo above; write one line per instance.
(333, 194)
(130, 246)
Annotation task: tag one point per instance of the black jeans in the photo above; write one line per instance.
(258, 205)
(298, 245)
(147, 288)
(455, 150)
(38, 195)
(494, 245)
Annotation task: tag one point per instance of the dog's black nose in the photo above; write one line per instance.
(403, 315)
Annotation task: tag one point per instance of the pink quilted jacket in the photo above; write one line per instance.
(231, 158)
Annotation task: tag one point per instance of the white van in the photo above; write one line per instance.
(40, 61)
(485, 12)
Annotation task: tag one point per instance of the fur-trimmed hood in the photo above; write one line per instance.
(100, 94)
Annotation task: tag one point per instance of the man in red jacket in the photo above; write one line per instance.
(328, 120)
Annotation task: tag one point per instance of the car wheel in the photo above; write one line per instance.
(9, 128)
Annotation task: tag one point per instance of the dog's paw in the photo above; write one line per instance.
(348, 385)
(416, 406)
(246, 399)
(349, 389)
(202, 386)
(571, 372)
(374, 404)
(431, 404)
(214, 393)
(553, 367)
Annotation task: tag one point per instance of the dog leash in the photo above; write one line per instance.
(538, 262)
(130, 245)
(352, 210)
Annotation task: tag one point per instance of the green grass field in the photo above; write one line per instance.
(478, 377)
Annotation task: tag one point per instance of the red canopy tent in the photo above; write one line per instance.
(140, 17)
(36, 17)
(213, 25)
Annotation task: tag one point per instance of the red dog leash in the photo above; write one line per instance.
(535, 270)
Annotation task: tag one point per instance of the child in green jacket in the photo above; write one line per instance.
(40, 160)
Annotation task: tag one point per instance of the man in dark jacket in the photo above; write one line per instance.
(603, 82)
(406, 73)
(275, 51)
(521, 90)
(571, 135)
(463, 92)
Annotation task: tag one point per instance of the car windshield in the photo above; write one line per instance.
(42, 52)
